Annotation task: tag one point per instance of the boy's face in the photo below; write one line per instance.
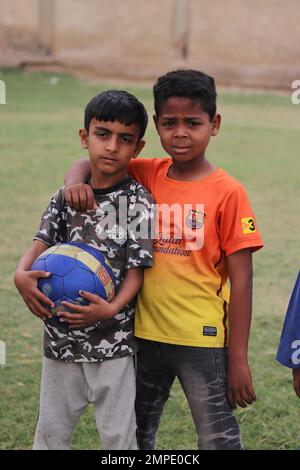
(111, 145)
(185, 129)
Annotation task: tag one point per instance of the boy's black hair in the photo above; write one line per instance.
(116, 105)
(193, 84)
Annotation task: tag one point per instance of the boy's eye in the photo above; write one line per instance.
(101, 133)
(128, 140)
(194, 123)
(168, 123)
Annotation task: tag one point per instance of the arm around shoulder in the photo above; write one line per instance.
(78, 172)
(79, 195)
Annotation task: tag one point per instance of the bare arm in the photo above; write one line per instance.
(26, 281)
(79, 195)
(99, 309)
(132, 283)
(239, 381)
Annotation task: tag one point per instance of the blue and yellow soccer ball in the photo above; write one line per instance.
(74, 267)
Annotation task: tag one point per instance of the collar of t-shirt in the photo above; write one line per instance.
(110, 189)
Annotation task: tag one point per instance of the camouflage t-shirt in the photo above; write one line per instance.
(121, 228)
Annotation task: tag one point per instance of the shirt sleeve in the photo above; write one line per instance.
(237, 224)
(53, 228)
(141, 169)
(141, 221)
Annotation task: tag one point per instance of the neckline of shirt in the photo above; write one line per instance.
(111, 189)
(200, 180)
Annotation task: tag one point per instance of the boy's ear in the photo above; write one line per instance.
(216, 123)
(84, 138)
(155, 119)
(139, 147)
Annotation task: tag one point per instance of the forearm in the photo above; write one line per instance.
(78, 172)
(26, 281)
(30, 255)
(240, 310)
(239, 381)
(98, 308)
(132, 283)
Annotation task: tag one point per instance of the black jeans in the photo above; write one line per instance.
(202, 374)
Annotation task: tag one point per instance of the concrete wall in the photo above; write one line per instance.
(241, 42)
(19, 25)
(255, 42)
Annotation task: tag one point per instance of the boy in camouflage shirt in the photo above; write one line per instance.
(87, 360)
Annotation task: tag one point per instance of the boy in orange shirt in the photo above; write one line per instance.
(189, 324)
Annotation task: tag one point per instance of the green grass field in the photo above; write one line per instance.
(258, 144)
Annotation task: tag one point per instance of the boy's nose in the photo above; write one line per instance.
(112, 145)
(180, 131)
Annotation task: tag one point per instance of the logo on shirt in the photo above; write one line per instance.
(195, 219)
(248, 225)
(209, 331)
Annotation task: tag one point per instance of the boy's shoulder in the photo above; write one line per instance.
(227, 183)
(138, 190)
(58, 197)
(137, 187)
(149, 164)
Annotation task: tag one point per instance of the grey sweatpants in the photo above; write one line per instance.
(67, 389)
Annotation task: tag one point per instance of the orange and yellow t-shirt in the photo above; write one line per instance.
(184, 299)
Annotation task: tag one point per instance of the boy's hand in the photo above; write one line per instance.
(26, 283)
(239, 385)
(98, 309)
(80, 197)
(296, 380)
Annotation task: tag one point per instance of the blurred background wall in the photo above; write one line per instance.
(241, 42)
